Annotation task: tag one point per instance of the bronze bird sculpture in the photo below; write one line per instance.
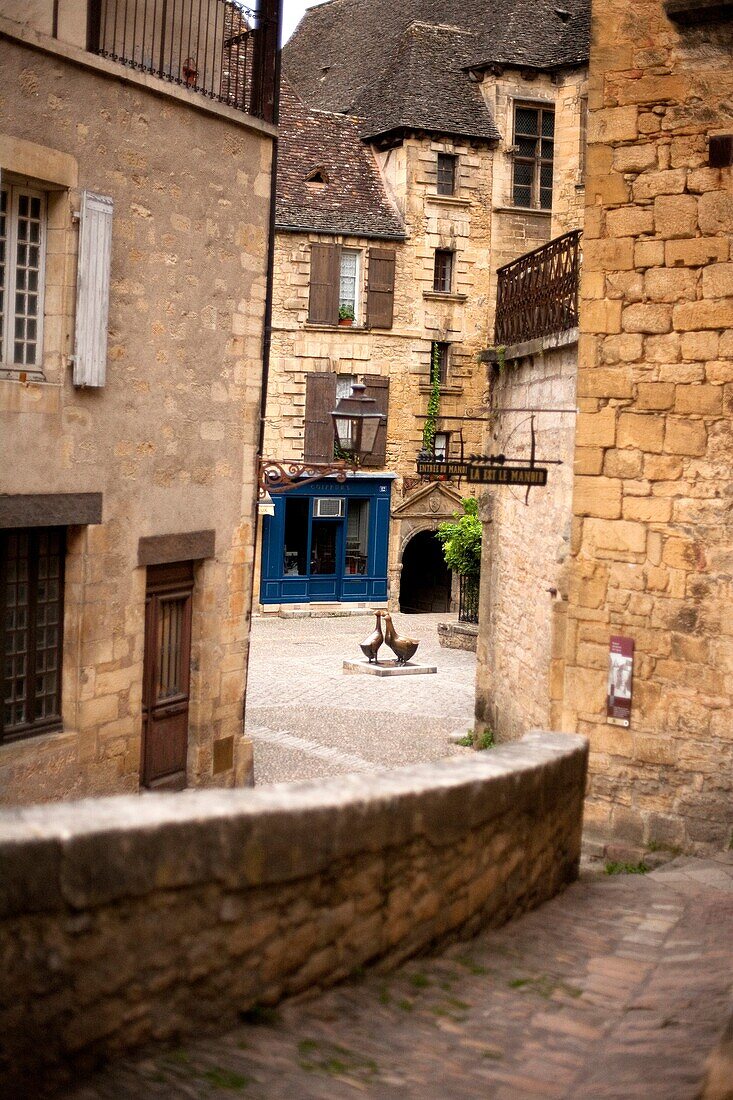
(403, 648)
(370, 646)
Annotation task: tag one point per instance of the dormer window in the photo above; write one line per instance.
(317, 179)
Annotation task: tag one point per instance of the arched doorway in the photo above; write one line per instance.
(425, 582)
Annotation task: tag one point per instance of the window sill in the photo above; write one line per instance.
(50, 734)
(536, 210)
(10, 372)
(443, 296)
(312, 326)
(449, 200)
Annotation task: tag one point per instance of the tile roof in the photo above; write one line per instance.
(353, 200)
(424, 87)
(344, 49)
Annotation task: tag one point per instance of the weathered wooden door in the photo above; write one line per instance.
(166, 675)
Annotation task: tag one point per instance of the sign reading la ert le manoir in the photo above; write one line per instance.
(507, 475)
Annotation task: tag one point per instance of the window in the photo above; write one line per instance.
(31, 599)
(446, 174)
(336, 276)
(439, 358)
(22, 255)
(534, 131)
(583, 139)
(357, 537)
(441, 443)
(349, 286)
(443, 271)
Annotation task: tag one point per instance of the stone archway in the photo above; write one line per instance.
(425, 580)
(420, 512)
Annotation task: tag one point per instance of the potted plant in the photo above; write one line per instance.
(346, 316)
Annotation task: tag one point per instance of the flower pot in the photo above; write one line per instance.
(346, 322)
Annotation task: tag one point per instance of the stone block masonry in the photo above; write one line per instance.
(652, 538)
(127, 921)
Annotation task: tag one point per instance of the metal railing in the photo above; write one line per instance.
(212, 47)
(468, 591)
(537, 294)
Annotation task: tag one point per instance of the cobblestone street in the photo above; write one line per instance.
(618, 989)
(309, 719)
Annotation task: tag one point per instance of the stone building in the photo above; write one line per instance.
(421, 148)
(135, 195)
(652, 544)
(632, 553)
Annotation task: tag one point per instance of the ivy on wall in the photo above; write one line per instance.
(428, 435)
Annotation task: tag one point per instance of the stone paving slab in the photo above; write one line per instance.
(297, 687)
(616, 990)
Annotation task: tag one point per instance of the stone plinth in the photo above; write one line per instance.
(388, 668)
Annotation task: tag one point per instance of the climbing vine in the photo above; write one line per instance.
(431, 423)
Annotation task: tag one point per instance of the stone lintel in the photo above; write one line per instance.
(184, 546)
(532, 347)
(50, 509)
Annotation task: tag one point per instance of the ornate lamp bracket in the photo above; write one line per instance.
(277, 477)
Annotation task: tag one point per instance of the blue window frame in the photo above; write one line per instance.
(327, 542)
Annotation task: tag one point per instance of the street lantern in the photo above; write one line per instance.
(356, 422)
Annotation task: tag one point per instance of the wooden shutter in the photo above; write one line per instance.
(324, 284)
(380, 291)
(92, 290)
(378, 387)
(320, 400)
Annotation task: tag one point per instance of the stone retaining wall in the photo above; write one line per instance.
(130, 920)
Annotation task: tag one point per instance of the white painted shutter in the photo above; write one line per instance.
(92, 290)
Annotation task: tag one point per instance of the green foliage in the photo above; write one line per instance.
(485, 740)
(428, 435)
(614, 867)
(462, 540)
(346, 313)
(467, 741)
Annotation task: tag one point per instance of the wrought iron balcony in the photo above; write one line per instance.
(538, 293)
(220, 49)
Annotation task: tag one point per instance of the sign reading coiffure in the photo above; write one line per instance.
(620, 676)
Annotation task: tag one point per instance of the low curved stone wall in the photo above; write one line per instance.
(137, 919)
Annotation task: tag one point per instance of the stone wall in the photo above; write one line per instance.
(653, 530)
(129, 921)
(526, 545)
(170, 440)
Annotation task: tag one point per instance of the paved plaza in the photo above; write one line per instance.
(309, 719)
(616, 990)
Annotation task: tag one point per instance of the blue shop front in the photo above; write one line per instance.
(327, 541)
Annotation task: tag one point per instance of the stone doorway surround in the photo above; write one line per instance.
(423, 510)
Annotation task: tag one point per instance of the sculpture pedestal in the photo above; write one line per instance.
(388, 668)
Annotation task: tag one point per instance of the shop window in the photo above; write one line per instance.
(31, 599)
(295, 563)
(357, 537)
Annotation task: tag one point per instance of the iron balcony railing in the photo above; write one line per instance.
(220, 49)
(468, 590)
(538, 293)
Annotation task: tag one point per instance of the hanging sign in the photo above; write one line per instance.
(506, 475)
(620, 676)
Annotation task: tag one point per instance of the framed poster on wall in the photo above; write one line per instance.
(620, 679)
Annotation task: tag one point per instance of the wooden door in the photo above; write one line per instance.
(166, 675)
